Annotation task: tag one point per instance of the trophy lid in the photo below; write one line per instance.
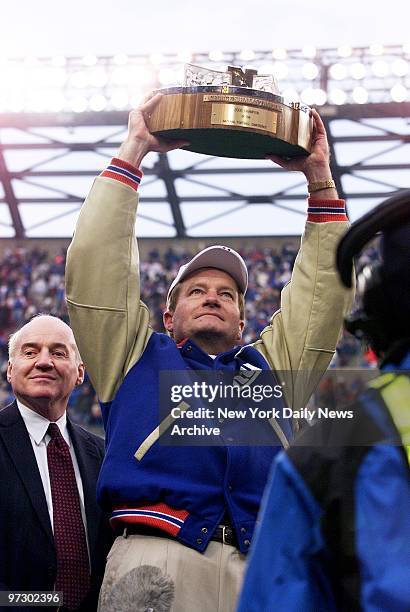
(234, 76)
(235, 81)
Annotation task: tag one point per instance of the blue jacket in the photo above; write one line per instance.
(334, 532)
(232, 477)
(182, 490)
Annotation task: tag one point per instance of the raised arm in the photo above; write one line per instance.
(302, 335)
(110, 323)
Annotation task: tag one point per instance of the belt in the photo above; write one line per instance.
(223, 533)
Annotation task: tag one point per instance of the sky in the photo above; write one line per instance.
(51, 27)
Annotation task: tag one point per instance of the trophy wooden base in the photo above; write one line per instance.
(232, 122)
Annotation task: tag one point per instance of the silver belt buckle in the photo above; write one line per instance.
(224, 529)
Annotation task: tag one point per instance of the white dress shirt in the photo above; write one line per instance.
(37, 427)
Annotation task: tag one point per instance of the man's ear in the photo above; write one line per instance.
(81, 374)
(241, 328)
(168, 319)
(9, 368)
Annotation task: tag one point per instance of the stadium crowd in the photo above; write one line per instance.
(32, 281)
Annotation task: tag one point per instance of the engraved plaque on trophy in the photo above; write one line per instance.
(237, 113)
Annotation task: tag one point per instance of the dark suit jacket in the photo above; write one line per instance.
(27, 554)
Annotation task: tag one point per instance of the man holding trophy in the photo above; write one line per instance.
(185, 515)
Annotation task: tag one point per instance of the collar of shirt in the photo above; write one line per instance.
(37, 425)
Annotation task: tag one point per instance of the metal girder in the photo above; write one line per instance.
(10, 198)
(335, 168)
(366, 111)
(24, 121)
(165, 174)
(28, 135)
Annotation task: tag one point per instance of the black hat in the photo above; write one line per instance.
(384, 287)
(392, 218)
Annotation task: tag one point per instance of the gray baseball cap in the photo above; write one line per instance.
(221, 257)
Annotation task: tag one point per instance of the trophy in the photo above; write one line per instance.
(237, 113)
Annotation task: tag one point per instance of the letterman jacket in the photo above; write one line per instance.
(334, 531)
(186, 491)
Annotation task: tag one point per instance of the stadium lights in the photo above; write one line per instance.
(398, 93)
(247, 55)
(59, 61)
(358, 71)
(78, 79)
(380, 68)
(97, 103)
(309, 51)
(78, 104)
(344, 51)
(216, 55)
(279, 54)
(37, 101)
(55, 102)
(310, 71)
(98, 77)
(120, 59)
(399, 67)
(376, 49)
(135, 100)
(291, 95)
(15, 103)
(31, 61)
(89, 60)
(280, 70)
(312, 95)
(360, 95)
(338, 72)
(121, 75)
(119, 99)
(337, 96)
(55, 77)
(341, 75)
(168, 76)
(185, 57)
(156, 58)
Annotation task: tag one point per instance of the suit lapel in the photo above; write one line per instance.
(17, 441)
(89, 463)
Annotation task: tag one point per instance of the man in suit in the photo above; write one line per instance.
(42, 545)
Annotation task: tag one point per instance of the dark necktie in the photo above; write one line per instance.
(73, 570)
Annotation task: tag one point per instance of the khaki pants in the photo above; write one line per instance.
(203, 582)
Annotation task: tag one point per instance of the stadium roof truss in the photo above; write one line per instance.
(49, 160)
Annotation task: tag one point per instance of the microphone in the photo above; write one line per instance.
(143, 589)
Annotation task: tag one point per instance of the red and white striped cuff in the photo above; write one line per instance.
(322, 211)
(160, 516)
(123, 172)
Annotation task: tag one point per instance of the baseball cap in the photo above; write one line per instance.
(217, 256)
